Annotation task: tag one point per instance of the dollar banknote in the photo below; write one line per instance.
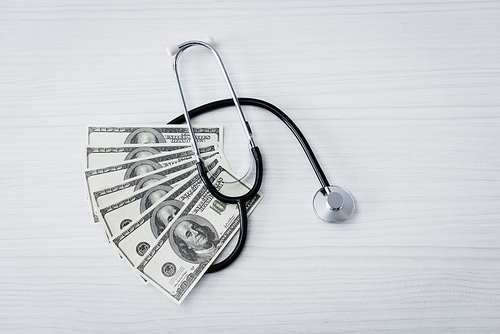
(168, 134)
(191, 243)
(102, 156)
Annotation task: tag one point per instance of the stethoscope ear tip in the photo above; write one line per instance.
(209, 40)
(172, 50)
(333, 204)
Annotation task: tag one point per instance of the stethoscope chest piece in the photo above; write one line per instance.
(333, 204)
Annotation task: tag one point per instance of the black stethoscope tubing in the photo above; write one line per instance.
(274, 110)
(242, 200)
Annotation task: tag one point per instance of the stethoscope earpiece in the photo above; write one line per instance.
(333, 204)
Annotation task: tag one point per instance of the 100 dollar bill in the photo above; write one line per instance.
(168, 134)
(102, 156)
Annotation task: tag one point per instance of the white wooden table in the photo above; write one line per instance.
(400, 101)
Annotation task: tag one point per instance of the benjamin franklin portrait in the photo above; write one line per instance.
(153, 195)
(141, 167)
(145, 136)
(141, 152)
(164, 214)
(148, 180)
(194, 239)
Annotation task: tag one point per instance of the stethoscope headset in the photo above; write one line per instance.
(331, 203)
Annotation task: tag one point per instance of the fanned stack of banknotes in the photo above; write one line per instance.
(146, 193)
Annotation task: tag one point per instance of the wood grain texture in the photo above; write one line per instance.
(400, 101)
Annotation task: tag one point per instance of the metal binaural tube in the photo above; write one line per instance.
(177, 51)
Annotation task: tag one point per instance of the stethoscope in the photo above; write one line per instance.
(331, 203)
